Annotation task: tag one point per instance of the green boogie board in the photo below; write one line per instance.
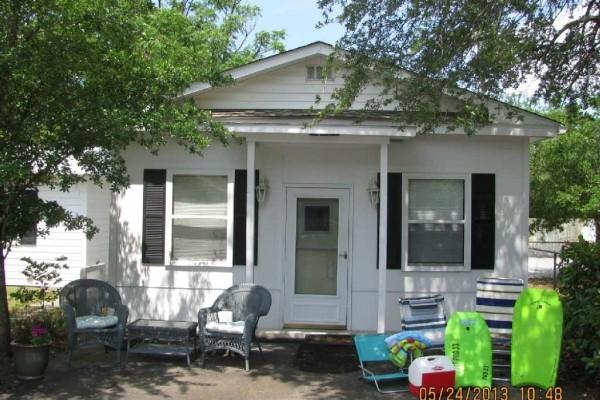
(536, 337)
(468, 344)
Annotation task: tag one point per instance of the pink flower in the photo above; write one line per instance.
(38, 330)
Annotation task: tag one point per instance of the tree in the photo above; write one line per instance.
(79, 82)
(234, 23)
(465, 49)
(565, 174)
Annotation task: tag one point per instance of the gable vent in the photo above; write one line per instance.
(316, 73)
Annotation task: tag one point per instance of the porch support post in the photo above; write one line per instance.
(383, 206)
(250, 212)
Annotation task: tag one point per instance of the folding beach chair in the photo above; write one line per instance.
(495, 301)
(374, 362)
(426, 314)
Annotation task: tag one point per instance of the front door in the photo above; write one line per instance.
(316, 261)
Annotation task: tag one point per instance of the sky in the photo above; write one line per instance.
(298, 18)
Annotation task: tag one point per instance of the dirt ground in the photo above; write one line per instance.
(94, 375)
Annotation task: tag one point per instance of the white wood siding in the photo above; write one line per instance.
(85, 199)
(59, 242)
(178, 292)
(286, 88)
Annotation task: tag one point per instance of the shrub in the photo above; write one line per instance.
(579, 287)
(47, 277)
(35, 326)
(34, 323)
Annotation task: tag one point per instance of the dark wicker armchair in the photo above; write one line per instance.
(86, 300)
(247, 303)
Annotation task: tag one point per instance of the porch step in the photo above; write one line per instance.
(307, 335)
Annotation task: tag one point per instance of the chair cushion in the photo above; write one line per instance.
(95, 321)
(226, 327)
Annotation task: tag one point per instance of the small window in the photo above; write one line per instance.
(30, 237)
(317, 219)
(316, 73)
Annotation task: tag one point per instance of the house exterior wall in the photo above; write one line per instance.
(286, 88)
(58, 243)
(85, 199)
(98, 204)
(177, 292)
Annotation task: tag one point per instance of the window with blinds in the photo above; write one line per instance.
(436, 222)
(199, 218)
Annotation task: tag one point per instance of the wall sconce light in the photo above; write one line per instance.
(262, 189)
(373, 190)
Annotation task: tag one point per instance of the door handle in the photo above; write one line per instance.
(344, 254)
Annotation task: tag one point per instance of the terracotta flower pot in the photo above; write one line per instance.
(30, 361)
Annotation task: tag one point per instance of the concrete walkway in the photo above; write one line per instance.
(94, 375)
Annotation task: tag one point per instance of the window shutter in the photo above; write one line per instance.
(394, 223)
(483, 224)
(153, 237)
(239, 218)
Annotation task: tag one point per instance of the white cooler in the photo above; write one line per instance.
(435, 372)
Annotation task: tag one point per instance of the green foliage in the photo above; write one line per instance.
(233, 23)
(38, 326)
(81, 81)
(565, 174)
(47, 277)
(419, 51)
(579, 287)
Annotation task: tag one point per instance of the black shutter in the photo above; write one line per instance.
(394, 222)
(153, 237)
(483, 226)
(239, 218)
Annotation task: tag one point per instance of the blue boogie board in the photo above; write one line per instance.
(536, 338)
(469, 345)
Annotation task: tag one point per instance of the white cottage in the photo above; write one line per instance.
(451, 208)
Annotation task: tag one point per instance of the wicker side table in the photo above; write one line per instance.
(162, 337)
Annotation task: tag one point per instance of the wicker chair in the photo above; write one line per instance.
(90, 297)
(247, 303)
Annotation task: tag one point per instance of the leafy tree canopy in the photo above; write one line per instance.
(82, 80)
(565, 174)
(467, 49)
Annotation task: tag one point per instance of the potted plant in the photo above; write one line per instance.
(33, 326)
(30, 345)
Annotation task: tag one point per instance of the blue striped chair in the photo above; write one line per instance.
(426, 314)
(495, 301)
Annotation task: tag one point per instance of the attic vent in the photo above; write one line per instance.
(316, 73)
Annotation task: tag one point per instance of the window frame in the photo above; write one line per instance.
(466, 178)
(230, 174)
(318, 76)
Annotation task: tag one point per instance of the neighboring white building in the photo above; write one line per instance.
(82, 254)
(452, 208)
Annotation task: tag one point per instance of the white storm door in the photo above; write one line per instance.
(316, 261)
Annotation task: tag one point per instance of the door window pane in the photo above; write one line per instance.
(316, 246)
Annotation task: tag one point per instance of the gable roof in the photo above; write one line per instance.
(268, 64)
(533, 125)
